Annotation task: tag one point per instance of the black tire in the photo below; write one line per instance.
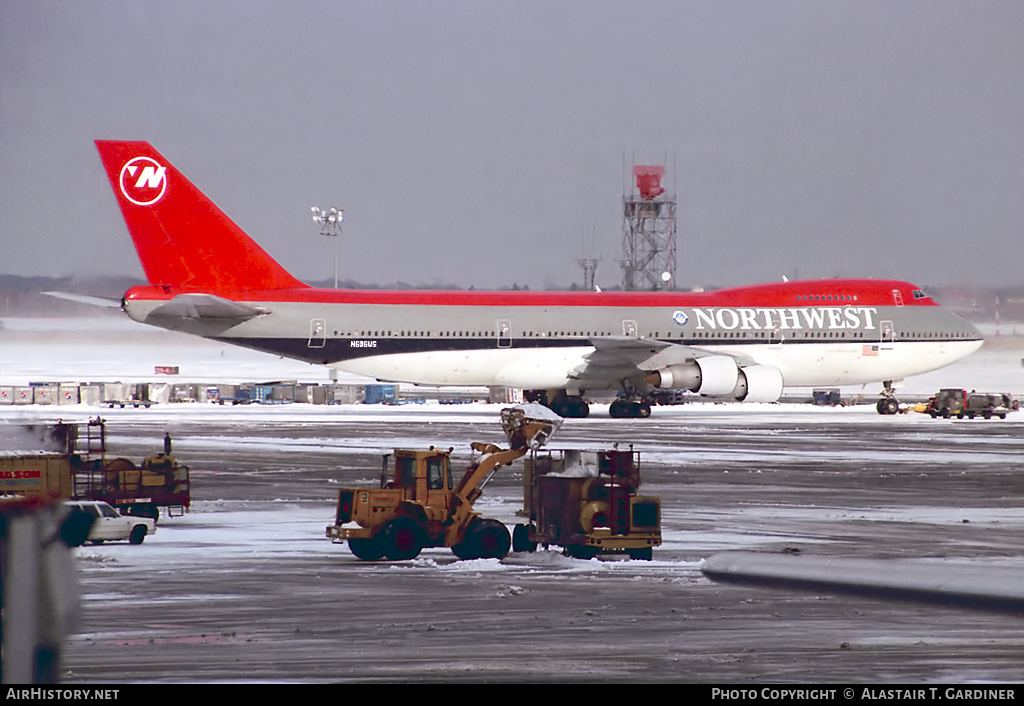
(491, 539)
(138, 535)
(402, 539)
(643, 410)
(986, 414)
(521, 539)
(646, 554)
(581, 551)
(465, 549)
(371, 549)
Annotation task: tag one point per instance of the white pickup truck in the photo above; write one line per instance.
(110, 525)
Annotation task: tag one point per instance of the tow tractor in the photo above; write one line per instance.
(419, 505)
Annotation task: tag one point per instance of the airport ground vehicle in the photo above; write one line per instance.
(111, 526)
(587, 502)
(955, 402)
(73, 465)
(419, 505)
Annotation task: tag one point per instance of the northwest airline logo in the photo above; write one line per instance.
(143, 181)
(756, 318)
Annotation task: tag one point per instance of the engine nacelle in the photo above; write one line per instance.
(758, 383)
(712, 375)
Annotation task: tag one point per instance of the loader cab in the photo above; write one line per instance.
(423, 475)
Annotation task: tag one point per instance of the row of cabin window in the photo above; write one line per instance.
(655, 334)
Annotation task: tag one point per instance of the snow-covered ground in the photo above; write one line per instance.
(246, 587)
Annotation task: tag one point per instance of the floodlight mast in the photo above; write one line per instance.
(330, 225)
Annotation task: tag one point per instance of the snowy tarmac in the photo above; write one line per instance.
(246, 588)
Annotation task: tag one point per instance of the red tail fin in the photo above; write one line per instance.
(183, 239)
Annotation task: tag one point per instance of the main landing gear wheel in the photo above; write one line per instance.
(402, 539)
(887, 405)
(624, 409)
(564, 405)
(571, 408)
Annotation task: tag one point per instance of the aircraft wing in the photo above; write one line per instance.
(975, 585)
(624, 357)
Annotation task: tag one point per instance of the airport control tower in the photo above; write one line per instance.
(649, 233)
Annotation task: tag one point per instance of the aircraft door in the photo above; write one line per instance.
(504, 329)
(888, 332)
(629, 328)
(775, 337)
(317, 333)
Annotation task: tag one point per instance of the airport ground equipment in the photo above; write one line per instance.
(587, 502)
(418, 504)
(955, 402)
(73, 465)
(137, 396)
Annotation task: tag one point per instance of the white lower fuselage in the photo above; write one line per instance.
(807, 365)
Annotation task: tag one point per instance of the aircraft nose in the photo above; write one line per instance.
(965, 331)
(970, 331)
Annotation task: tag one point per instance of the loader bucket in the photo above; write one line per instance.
(529, 425)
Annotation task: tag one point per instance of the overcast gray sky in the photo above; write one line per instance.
(473, 142)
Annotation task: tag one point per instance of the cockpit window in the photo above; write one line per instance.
(918, 294)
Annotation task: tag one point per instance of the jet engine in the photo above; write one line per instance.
(719, 376)
(758, 383)
(713, 375)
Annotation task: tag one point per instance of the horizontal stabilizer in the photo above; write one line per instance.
(86, 299)
(207, 306)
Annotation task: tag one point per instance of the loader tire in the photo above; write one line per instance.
(492, 539)
(367, 549)
(465, 549)
(403, 539)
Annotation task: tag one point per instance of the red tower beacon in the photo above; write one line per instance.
(649, 233)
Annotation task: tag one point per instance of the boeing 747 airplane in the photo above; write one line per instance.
(208, 278)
